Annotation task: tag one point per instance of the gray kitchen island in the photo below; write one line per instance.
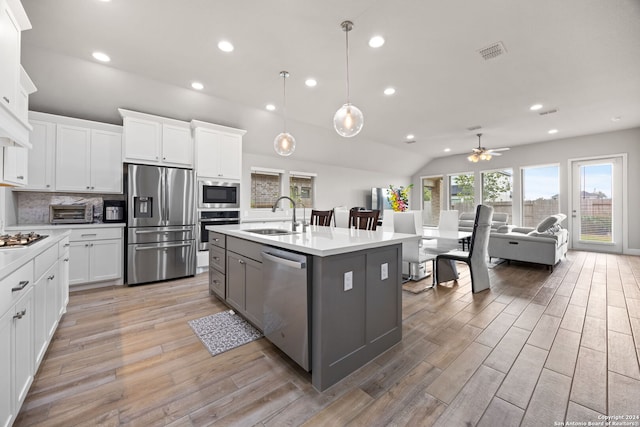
(330, 298)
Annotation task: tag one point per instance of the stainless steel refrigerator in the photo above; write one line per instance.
(161, 240)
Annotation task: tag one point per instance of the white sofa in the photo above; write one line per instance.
(545, 244)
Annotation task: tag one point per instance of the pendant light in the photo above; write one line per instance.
(348, 120)
(285, 143)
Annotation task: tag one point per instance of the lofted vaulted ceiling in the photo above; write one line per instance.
(579, 57)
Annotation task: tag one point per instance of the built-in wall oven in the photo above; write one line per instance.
(206, 218)
(218, 195)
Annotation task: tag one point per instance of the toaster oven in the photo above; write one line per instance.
(71, 214)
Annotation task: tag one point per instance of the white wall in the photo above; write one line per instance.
(334, 185)
(558, 151)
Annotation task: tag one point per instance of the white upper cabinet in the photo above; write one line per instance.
(142, 140)
(106, 161)
(218, 151)
(88, 160)
(42, 156)
(177, 146)
(15, 167)
(15, 86)
(156, 140)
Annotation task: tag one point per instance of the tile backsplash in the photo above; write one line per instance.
(33, 208)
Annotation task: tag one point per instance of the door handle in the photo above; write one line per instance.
(20, 314)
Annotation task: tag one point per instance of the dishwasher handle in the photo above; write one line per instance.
(288, 262)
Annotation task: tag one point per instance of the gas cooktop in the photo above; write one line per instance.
(20, 240)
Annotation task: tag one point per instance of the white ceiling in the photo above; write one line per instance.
(581, 57)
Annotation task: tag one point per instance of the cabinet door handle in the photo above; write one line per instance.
(21, 285)
(48, 185)
(215, 258)
(21, 177)
(86, 245)
(87, 235)
(6, 100)
(241, 261)
(66, 245)
(66, 260)
(20, 314)
(53, 276)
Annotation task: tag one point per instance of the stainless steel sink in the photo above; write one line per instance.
(271, 231)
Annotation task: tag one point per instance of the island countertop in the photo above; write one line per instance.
(316, 240)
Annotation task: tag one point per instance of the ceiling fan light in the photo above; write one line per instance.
(284, 144)
(487, 157)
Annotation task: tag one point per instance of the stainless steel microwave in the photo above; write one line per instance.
(218, 194)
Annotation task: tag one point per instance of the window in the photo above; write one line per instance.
(301, 188)
(540, 188)
(461, 192)
(265, 187)
(497, 191)
(431, 200)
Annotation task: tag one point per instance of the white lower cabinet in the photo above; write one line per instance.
(32, 298)
(95, 255)
(16, 341)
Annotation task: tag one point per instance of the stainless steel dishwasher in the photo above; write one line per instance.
(286, 303)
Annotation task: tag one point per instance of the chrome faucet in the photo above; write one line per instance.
(294, 223)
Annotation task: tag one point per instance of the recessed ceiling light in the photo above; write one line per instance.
(225, 46)
(389, 91)
(197, 85)
(376, 41)
(552, 131)
(102, 57)
(446, 150)
(535, 107)
(410, 136)
(616, 118)
(270, 107)
(311, 82)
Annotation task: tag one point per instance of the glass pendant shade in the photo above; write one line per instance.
(348, 120)
(284, 144)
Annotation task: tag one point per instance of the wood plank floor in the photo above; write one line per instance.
(535, 349)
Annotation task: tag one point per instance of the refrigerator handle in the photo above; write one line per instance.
(163, 196)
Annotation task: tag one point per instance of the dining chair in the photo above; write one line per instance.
(475, 257)
(341, 217)
(364, 220)
(321, 217)
(412, 253)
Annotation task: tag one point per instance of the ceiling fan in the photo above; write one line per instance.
(482, 153)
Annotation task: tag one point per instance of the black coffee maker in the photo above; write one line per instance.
(113, 211)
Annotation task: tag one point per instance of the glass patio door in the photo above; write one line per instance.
(596, 205)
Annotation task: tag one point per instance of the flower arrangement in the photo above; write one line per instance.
(399, 198)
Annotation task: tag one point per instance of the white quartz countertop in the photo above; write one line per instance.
(317, 240)
(38, 227)
(13, 258)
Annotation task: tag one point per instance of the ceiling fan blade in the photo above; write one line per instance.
(494, 154)
(499, 149)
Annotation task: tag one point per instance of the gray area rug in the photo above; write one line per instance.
(223, 331)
